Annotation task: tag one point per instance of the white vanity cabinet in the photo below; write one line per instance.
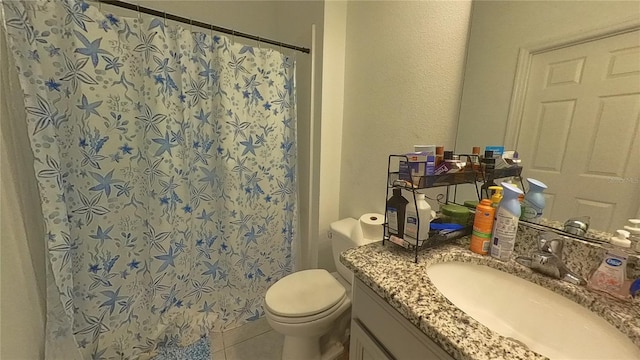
(379, 332)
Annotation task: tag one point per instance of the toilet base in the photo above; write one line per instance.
(296, 348)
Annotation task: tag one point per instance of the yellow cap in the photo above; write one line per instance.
(497, 194)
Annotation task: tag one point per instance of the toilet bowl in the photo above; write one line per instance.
(311, 308)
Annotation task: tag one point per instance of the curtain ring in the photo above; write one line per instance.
(233, 36)
(259, 43)
(165, 19)
(100, 5)
(138, 9)
(190, 24)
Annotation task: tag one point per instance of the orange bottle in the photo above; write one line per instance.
(482, 227)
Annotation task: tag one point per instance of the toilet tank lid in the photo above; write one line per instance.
(304, 293)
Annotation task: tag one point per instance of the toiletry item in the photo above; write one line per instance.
(444, 237)
(471, 204)
(634, 233)
(429, 149)
(418, 215)
(497, 150)
(452, 213)
(611, 276)
(449, 166)
(482, 227)
(436, 226)
(488, 162)
(505, 226)
(634, 289)
(533, 203)
(439, 155)
(418, 164)
(475, 158)
(511, 157)
(396, 209)
(496, 197)
(448, 155)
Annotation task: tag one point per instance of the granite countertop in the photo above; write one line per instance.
(390, 271)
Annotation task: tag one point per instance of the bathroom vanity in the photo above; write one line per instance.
(398, 313)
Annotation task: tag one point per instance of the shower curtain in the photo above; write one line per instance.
(166, 165)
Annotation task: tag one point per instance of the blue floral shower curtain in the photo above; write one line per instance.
(166, 162)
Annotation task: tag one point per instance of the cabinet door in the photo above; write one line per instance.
(364, 346)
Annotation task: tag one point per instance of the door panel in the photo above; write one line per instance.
(579, 131)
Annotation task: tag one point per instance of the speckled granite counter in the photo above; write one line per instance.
(390, 271)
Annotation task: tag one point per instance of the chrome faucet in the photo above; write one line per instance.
(548, 259)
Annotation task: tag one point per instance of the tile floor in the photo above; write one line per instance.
(252, 341)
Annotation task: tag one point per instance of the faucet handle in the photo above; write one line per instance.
(549, 242)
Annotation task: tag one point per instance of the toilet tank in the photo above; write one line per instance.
(346, 234)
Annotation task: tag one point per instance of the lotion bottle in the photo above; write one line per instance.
(482, 227)
(422, 214)
(611, 276)
(505, 227)
(533, 203)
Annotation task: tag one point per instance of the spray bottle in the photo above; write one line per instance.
(505, 227)
(496, 197)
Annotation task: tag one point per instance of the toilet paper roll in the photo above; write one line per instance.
(371, 225)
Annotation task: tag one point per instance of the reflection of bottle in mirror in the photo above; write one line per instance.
(634, 233)
(533, 203)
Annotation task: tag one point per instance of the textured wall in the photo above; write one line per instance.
(498, 30)
(403, 80)
(22, 260)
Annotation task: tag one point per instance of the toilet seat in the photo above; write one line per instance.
(304, 296)
(308, 319)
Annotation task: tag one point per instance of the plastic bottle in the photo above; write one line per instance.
(534, 202)
(482, 227)
(496, 197)
(634, 233)
(396, 208)
(611, 276)
(423, 214)
(505, 227)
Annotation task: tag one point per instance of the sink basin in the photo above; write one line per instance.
(542, 320)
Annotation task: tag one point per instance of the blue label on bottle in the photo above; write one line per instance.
(613, 262)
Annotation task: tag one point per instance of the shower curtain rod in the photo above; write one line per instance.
(162, 14)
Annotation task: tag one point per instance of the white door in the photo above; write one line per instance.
(579, 133)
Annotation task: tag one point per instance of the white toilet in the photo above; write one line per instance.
(310, 305)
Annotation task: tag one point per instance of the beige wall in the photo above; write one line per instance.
(498, 30)
(335, 27)
(403, 81)
(22, 261)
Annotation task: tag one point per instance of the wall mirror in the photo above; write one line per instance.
(559, 81)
